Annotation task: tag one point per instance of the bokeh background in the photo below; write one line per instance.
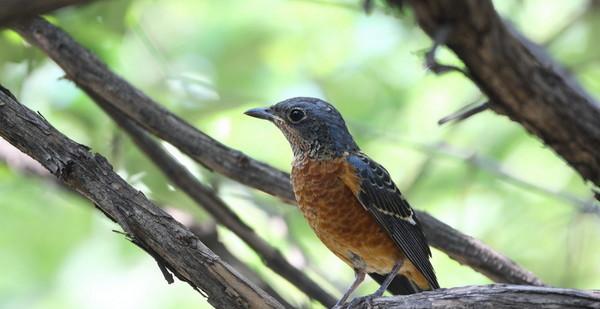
(208, 61)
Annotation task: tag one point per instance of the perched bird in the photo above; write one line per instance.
(350, 201)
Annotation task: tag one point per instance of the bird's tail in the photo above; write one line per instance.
(401, 285)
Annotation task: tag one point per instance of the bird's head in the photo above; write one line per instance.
(314, 128)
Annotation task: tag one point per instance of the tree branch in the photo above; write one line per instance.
(519, 78)
(498, 296)
(206, 198)
(205, 231)
(13, 10)
(465, 112)
(88, 72)
(472, 252)
(173, 245)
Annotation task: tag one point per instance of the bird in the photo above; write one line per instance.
(350, 201)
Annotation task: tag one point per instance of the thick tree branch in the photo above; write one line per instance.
(148, 226)
(519, 78)
(205, 231)
(206, 198)
(13, 10)
(88, 72)
(498, 296)
(477, 255)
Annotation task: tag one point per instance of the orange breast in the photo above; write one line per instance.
(338, 218)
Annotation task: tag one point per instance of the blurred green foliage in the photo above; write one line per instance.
(208, 61)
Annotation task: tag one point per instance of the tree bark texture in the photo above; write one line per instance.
(487, 297)
(169, 242)
(90, 74)
(519, 78)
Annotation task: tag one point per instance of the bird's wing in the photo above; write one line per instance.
(378, 194)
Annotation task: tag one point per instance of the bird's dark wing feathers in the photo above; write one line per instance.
(380, 196)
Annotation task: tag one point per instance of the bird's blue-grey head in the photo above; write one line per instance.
(314, 128)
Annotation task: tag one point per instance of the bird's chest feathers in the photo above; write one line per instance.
(325, 194)
(323, 197)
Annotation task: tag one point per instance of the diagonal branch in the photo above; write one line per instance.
(88, 72)
(497, 296)
(465, 112)
(472, 252)
(206, 198)
(173, 245)
(519, 78)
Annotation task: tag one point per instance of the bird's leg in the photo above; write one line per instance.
(359, 277)
(381, 290)
(388, 279)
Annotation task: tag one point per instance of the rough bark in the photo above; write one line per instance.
(88, 72)
(170, 243)
(488, 296)
(206, 231)
(519, 78)
(13, 10)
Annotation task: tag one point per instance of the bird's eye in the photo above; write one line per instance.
(296, 115)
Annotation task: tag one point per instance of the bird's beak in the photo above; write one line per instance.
(261, 112)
